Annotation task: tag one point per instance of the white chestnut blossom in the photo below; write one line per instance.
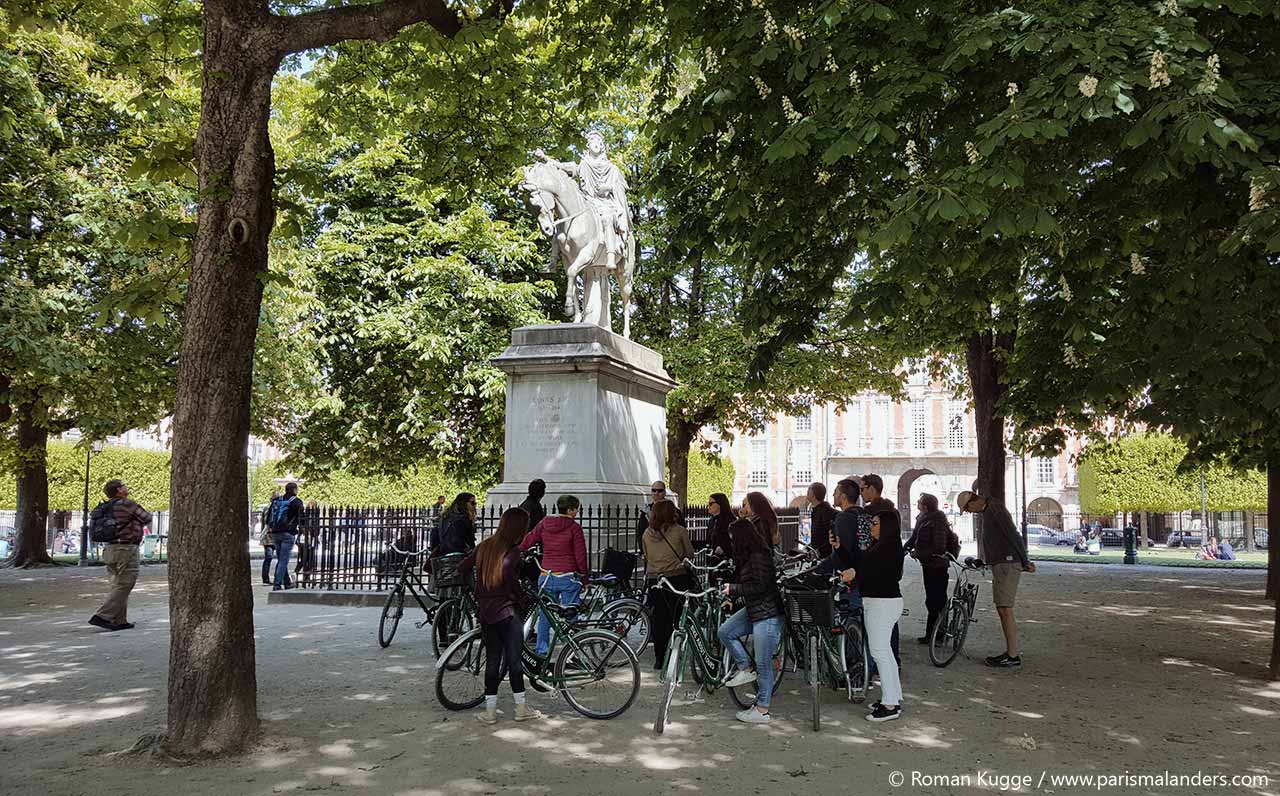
(762, 87)
(1088, 85)
(855, 81)
(1066, 289)
(1212, 75)
(912, 158)
(1257, 195)
(794, 33)
(1168, 8)
(971, 152)
(789, 111)
(770, 26)
(1011, 91)
(822, 178)
(831, 65)
(712, 61)
(1136, 265)
(1069, 356)
(1159, 73)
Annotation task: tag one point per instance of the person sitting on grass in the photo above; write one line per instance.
(1208, 551)
(1226, 552)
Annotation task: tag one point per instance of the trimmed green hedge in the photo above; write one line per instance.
(1140, 473)
(147, 474)
(707, 475)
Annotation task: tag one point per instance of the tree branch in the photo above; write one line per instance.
(376, 21)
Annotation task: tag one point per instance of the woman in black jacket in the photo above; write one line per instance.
(761, 618)
(929, 544)
(878, 575)
(457, 530)
(719, 540)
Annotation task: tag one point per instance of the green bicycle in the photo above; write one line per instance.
(829, 645)
(594, 670)
(456, 614)
(410, 582)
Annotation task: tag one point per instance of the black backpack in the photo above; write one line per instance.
(104, 526)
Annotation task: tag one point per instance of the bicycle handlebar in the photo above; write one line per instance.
(688, 562)
(663, 583)
(396, 549)
(969, 562)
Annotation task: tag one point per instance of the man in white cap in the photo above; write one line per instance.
(1007, 556)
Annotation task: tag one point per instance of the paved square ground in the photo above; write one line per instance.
(1128, 669)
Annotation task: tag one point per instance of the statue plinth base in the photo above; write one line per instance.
(586, 412)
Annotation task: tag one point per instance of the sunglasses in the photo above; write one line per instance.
(657, 490)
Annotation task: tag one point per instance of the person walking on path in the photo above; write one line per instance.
(1005, 553)
(756, 581)
(929, 544)
(122, 520)
(500, 597)
(878, 576)
(268, 546)
(564, 560)
(821, 517)
(533, 503)
(666, 546)
(456, 532)
(284, 532)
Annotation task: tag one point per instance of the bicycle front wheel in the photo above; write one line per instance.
(391, 613)
(948, 634)
(598, 674)
(672, 672)
(451, 621)
(460, 676)
(857, 664)
(631, 620)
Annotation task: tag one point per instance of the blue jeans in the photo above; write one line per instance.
(765, 636)
(268, 553)
(284, 550)
(565, 588)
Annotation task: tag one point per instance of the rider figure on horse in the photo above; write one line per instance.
(606, 188)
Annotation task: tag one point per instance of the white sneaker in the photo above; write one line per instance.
(742, 677)
(487, 717)
(753, 716)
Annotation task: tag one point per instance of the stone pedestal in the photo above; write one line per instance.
(586, 412)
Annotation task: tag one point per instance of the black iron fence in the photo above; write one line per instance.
(341, 547)
(1245, 530)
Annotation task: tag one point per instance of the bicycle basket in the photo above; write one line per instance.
(445, 574)
(810, 607)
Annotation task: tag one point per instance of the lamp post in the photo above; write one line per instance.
(89, 450)
(786, 477)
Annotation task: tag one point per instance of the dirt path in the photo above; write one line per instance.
(1129, 669)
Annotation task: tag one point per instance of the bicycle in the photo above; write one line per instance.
(830, 644)
(457, 612)
(948, 636)
(610, 604)
(592, 666)
(393, 609)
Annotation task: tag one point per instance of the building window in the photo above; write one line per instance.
(919, 431)
(804, 423)
(1045, 471)
(802, 461)
(956, 419)
(881, 420)
(758, 472)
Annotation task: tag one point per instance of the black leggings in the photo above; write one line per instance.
(935, 595)
(665, 608)
(503, 639)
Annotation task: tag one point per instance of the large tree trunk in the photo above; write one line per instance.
(986, 370)
(1144, 522)
(679, 440)
(213, 687)
(1273, 557)
(31, 547)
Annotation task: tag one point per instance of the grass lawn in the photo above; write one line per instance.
(1164, 557)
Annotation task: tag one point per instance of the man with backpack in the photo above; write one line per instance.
(268, 545)
(286, 513)
(118, 522)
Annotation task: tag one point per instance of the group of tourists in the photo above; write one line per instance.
(857, 536)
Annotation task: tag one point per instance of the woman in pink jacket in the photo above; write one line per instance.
(564, 560)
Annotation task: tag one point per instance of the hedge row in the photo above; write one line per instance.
(1140, 473)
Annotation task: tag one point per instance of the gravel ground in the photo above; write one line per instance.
(1137, 670)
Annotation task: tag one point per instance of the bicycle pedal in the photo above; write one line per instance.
(422, 624)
